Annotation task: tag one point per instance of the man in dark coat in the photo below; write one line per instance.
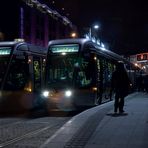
(120, 83)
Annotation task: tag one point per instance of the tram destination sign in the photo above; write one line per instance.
(5, 50)
(65, 48)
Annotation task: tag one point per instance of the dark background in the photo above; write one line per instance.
(123, 23)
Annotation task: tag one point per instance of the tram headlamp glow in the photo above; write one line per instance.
(68, 93)
(45, 93)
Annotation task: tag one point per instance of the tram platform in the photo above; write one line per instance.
(98, 127)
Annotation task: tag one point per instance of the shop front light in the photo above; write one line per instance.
(68, 93)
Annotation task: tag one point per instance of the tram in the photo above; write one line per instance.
(22, 68)
(78, 73)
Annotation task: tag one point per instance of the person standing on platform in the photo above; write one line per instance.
(120, 84)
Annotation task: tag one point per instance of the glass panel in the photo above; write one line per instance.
(4, 61)
(64, 48)
(70, 69)
(107, 70)
(17, 76)
(37, 73)
(3, 66)
(5, 51)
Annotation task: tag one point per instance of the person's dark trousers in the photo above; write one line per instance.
(116, 104)
(121, 104)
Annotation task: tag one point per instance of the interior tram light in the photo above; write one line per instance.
(94, 88)
(95, 58)
(44, 60)
(29, 60)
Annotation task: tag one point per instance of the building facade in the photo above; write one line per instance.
(140, 60)
(34, 21)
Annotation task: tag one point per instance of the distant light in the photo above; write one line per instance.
(102, 45)
(29, 60)
(136, 64)
(73, 34)
(96, 26)
(87, 36)
(98, 42)
(44, 60)
(94, 88)
(143, 67)
(94, 40)
(102, 48)
(95, 58)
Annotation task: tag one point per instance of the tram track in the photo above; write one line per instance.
(30, 134)
(6, 124)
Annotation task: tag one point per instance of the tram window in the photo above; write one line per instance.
(17, 75)
(3, 64)
(23, 47)
(81, 73)
(37, 73)
(107, 70)
(91, 69)
(68, 68)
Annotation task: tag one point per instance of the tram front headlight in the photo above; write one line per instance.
(45, 93)
(68, 93)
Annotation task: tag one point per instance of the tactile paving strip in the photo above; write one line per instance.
(81, 137)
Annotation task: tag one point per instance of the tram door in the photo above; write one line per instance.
(37, 73)
(106, 70)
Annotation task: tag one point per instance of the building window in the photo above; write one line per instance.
(144, 56)
(139, 57)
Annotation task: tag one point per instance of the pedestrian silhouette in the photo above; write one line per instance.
(120, 84)
(140, 82)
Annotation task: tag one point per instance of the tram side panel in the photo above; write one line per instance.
(23, 81)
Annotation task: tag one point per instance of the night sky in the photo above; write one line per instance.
(123, 23)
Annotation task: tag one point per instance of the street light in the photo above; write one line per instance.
(73, 35)
(96, 27)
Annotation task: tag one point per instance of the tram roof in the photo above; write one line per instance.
(31, 47)
(9, 43)
(88, 43)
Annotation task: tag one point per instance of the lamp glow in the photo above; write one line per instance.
(46, 93)
(68, 93)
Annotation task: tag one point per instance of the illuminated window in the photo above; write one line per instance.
(139, 57)
(144, 56)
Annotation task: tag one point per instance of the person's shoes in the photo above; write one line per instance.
(115, 112)
(122, 111)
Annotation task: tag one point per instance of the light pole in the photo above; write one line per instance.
(94, 27)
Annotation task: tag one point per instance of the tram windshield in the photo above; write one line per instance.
(4, 60)
(68, 70)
